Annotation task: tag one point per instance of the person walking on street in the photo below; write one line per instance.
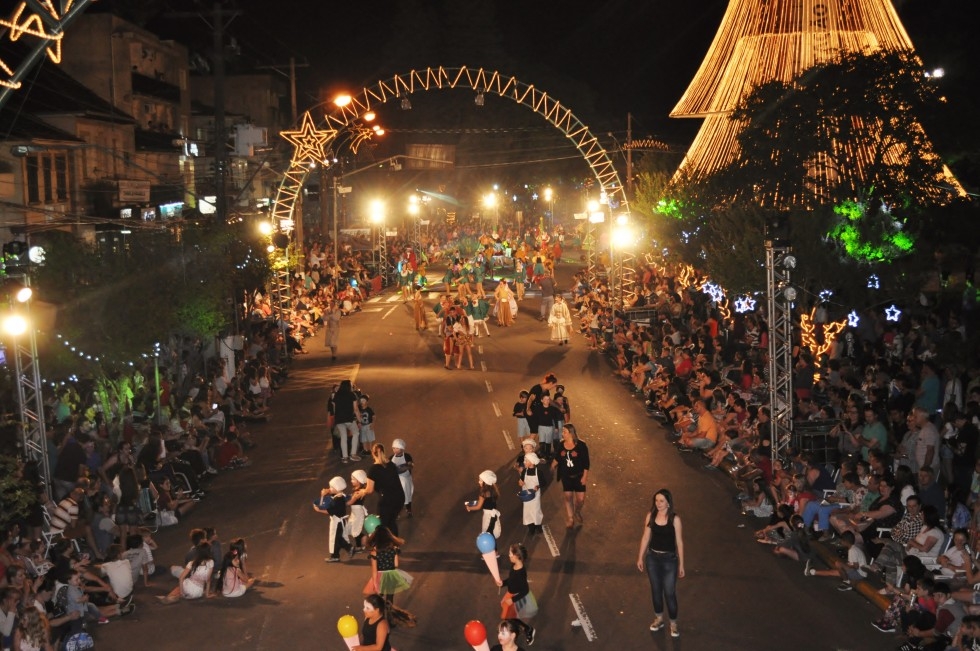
(572, 470)
(403, 462)
(547, 285)
(662, 556)
(560, 320)
(331, 323)
(486, 502)
(382, 478)
(347, 416)
(531, 486)
(518, 601)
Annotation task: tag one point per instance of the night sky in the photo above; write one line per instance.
(601, 59)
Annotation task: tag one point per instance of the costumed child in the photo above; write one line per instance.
(358, 480)
(333, 502)
(523, 429)
(486, 501)
(530, 483)
(518, 602)
(403, 461)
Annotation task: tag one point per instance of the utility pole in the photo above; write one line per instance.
(292, 79)
(218, 16)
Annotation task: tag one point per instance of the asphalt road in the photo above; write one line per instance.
(456, 424)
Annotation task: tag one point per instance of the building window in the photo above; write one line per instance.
(46, 177)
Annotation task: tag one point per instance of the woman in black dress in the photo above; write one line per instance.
(572, 469)
(382, 478)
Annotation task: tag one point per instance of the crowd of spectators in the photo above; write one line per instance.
(882, 464)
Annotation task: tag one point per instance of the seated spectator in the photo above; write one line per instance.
(848, 571)
(705, 435)
(234, 581)
(178, 502)
(194, 581)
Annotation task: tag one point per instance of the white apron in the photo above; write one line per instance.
(488, 514)
(356, 519)
(334, 523)
(532, 509)
(405, 477)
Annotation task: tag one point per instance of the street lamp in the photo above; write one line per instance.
(549, 196)
(490, 202)
(621, 237)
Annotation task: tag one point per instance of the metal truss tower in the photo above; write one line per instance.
(780, 295)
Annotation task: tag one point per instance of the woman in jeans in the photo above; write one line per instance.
(662, 555)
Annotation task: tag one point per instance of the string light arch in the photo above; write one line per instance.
(400, 87)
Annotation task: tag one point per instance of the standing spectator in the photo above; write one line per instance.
(929, 395)
(572, 464)
(403, 461)
(925, 449)
(69, 466)
(662, 556)
(347, 414)
(331, 321)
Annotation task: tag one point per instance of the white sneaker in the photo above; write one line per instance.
(806, 568)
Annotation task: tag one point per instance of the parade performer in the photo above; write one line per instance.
(449, 323)
(518, 602)
(529, 481)
(358, 480)
(478, 309)
(418, 305)
(504, 296)
(336, 508)
(572, 465)
(486, 502)
(402, 460)
(386, 579)
(464, 340)
(560, 321)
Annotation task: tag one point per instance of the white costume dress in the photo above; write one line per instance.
(532, 509)
(405, 474)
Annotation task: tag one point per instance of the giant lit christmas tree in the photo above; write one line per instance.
(776, 40)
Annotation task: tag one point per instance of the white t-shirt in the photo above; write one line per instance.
(120, 576)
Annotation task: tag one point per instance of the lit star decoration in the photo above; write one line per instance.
(713, 290)
(892, 313)
(744, 304)
(308, 141)
(825, 295)
(874, 282)
(853, 319)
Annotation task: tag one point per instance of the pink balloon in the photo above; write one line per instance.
(475, 632)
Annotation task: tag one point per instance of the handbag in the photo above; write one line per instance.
(167, 518)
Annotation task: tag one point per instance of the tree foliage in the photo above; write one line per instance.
(800, 143)
(117, 305)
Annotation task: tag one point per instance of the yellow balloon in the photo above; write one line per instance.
(347, 626)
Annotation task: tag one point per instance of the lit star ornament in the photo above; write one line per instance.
(308, 141)
(853, 319)
(874, 282)
(744, 304)
(892, 313)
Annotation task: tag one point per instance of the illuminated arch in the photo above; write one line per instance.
(479, 80)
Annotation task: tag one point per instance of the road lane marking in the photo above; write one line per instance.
(496, 409)
(393, 298)
(479, 349)
(483, 366)
(373, 299)
(510, 441)
(550, 539)
(282, 529)
(582, 617)
(392, 309)
(489, 387)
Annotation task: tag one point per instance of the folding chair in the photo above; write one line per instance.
(149, 512)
